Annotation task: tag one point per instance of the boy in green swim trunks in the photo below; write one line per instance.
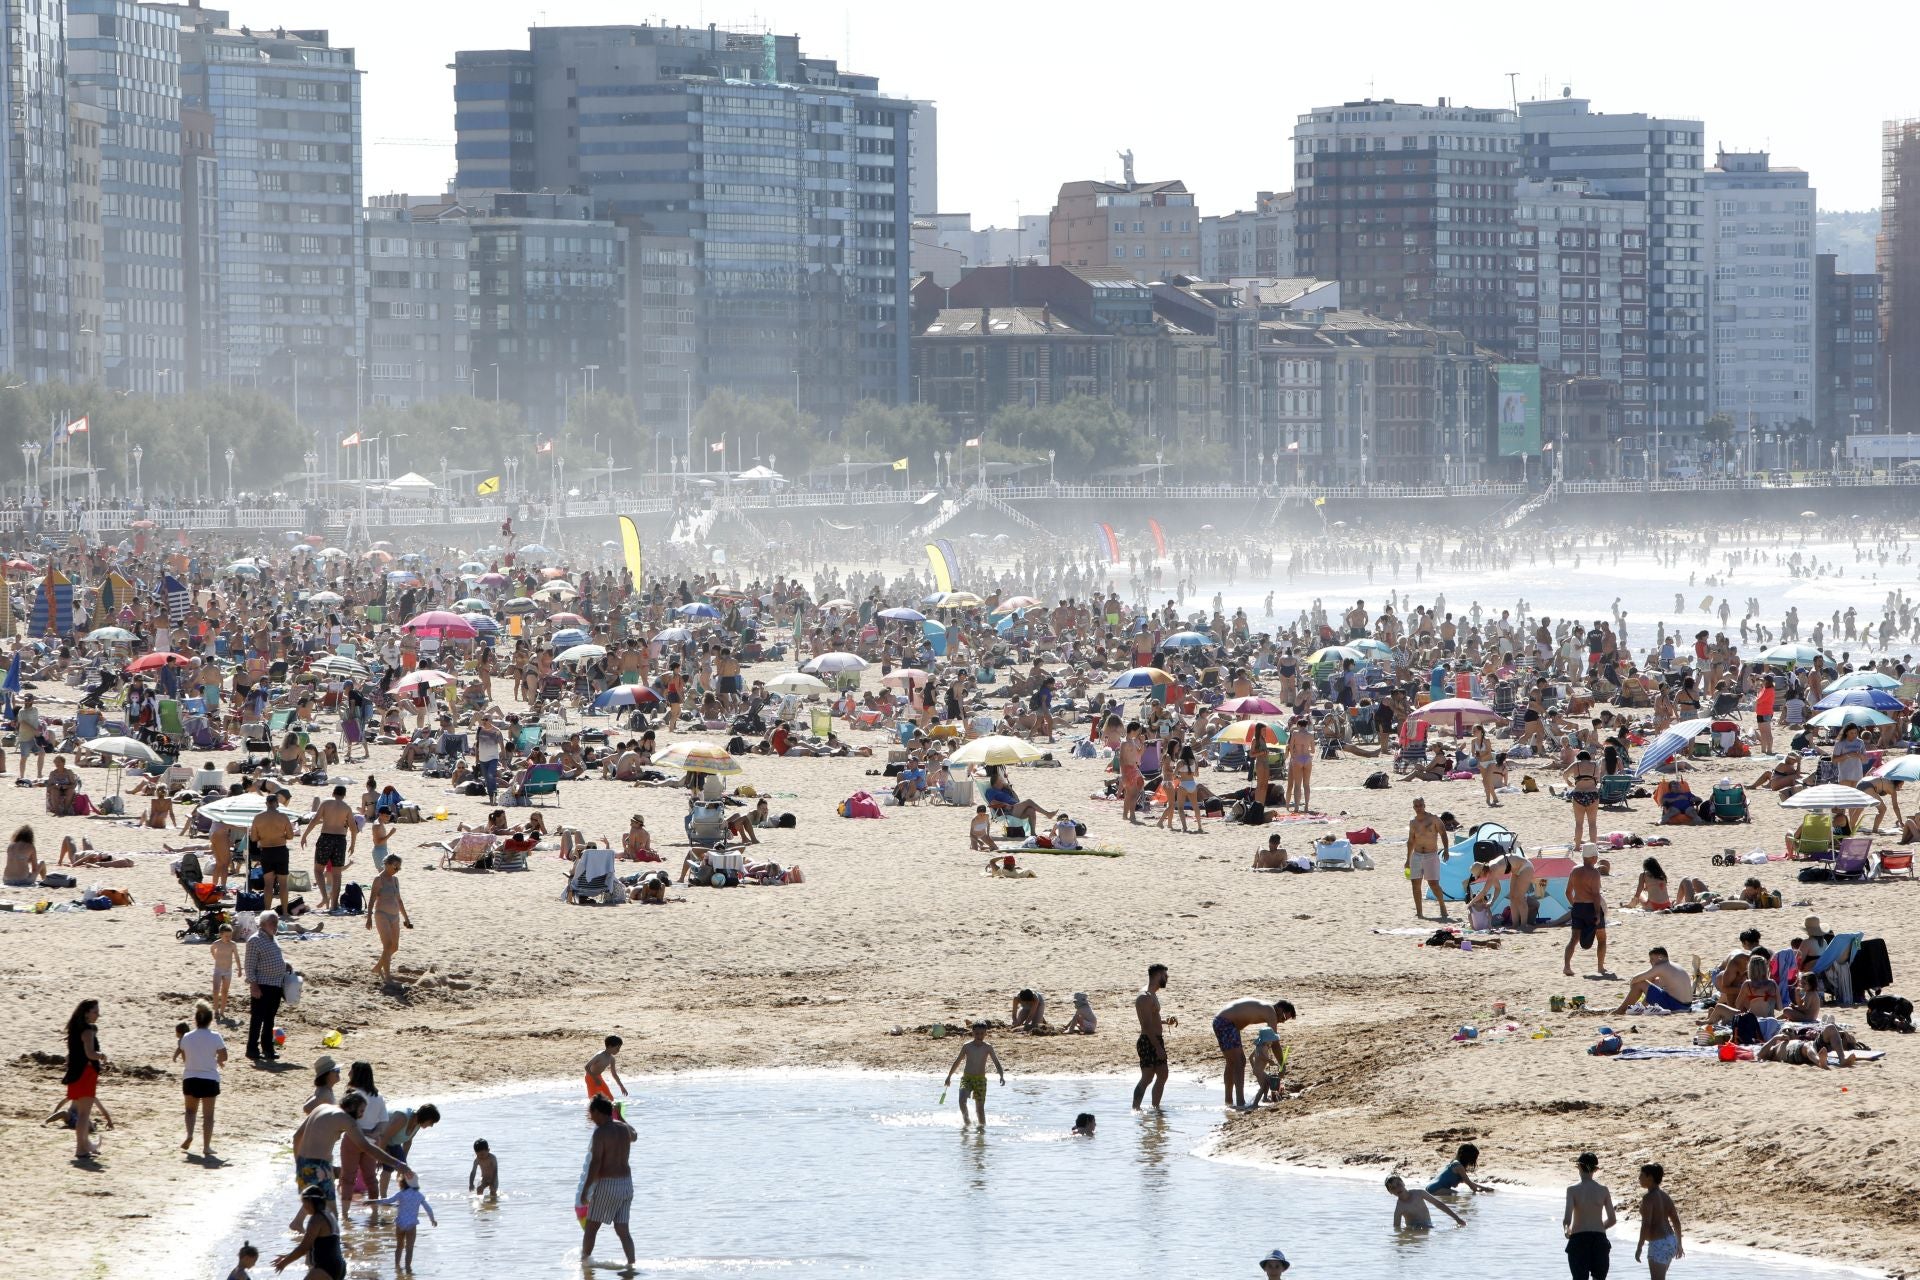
(975, 1054)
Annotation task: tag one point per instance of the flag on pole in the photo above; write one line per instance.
(972, 444)
(77, 427)
(899, 464)
(1319, 502)
(177, 597)
(545, 446)
(718, 446)
(1293, 446)
(490, 485)
(351, 441)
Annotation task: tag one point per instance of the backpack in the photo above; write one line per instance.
(353, 899)
(1890, 1013)
(1377, 781)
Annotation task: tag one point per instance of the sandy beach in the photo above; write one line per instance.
(896, 927)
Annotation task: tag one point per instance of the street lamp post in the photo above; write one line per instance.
(846, 464)
(230, 456)
(1049, 468)
(496, 382)
(139, 495)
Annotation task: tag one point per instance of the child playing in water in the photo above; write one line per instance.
(599, 1066)
(1410, 1207)
(976, 1054)
(485, 1170)
(223, 956)
(980, 831)
(249, 1256)
(1659, 1224)
(408, 1204)
(1459, 1171)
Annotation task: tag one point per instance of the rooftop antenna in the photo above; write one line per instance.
(1513, 89)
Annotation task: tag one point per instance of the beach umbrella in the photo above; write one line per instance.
(535, 550)
(1140, 678)
(335, 665)
(551, 572)
(627, 695)
(1371, 647)
(483, 623)
(958, 600)
(1245, 731)
(905, 677)
(125, 749)
(439, 622)
(1791, 655)
(671, 635)
(519, 604)
(382, 545)
(1252, 706)
(1899, 768)
(1669, 743)
(314, 539)
(1831, 796)
(1186, 640)
(565, 620)
(154, 661)
(492, 580)
(567, 637)
(833, 664)
(472, 566)
(831, 604)
(697, 757)
(698, 609)
(377, 556)
(1877, 699)
(471, 604)
(331, 553)
(582, 653)
(243, 569)
(1840, 717)
(1455, 713)
(429, 679)
(1863, 680)
(22, 566)
(1335, 654)
(996, 749)
(111, 635)
(903, 614)
(326, 597)
(235, 811)
(557, 591)
(404, 577)
(797, 682)
(413, 557)
(1019, 602)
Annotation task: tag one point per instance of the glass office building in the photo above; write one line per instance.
(38, 339)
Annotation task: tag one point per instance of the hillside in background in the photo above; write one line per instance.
(1849, 237)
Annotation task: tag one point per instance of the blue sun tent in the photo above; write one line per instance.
(1552, 872)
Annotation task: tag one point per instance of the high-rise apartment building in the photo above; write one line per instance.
(417, 300)
(923, 158)
(1898, 257)
(1150, 228)
(548, 290)
(86, 237)
(1760, 227)
(1634, 156)
(1847, 358)
(1580, 288)
(790, 176)
(286, 109)
(1258, 243)
(1410, 207)
(204, 324)
(124, 58)
(39, 330)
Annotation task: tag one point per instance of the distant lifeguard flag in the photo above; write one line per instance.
(490, 485)
(545, 446)
(718, 446)
(78, 426)
(351, 441)
(899, 464)
(972, 444)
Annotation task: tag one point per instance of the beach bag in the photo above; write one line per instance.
(353, 899)
(1377, 781)
(1365, 835)
(860, 805)
(786, 821)
(1890, 1013)
(81, 805)
(291, 988)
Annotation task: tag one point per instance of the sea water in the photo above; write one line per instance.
(1643, 588)
(836, 1174)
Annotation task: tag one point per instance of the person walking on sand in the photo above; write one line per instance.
(1659, 1224)
(1132, 780)
(1589, 1216)
(606, 1188)
(976, 1054)
(1228, 1024)
(1152, 1044)
(203, 1052)
(388, 910)
(338, 837)
(85, 1062)
(1426, 841)
(1588, 920)
(265, 972)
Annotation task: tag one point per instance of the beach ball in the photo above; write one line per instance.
(331, 1040)
(580, 1212)
(279, 1037)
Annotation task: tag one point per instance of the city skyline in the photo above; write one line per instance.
(1065, 68)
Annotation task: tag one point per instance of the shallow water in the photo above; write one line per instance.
(853, 1174)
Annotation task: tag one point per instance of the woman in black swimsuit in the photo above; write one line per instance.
(320, 1246)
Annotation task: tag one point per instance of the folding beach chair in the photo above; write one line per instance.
(1615, 789)
(1891, 862)
(1834, 967)
(591, 878)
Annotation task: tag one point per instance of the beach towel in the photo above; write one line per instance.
(1669, 1053)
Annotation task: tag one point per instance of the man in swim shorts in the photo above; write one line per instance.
(1659, 1224)
(270, 833)
(1589, 919)
(1426, 837)
(1152, 1044)
(334, 820)
(607, 1188)
(1227, 1026)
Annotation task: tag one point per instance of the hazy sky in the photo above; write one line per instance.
(1036, 92)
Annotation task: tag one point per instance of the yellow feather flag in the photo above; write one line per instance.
(899, 464)
(490, 485)
(630, 548)
(1319, 502)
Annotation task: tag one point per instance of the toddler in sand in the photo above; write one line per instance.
(980, 831)
(1410, 1207)
(223, 956)
(1268, 1064)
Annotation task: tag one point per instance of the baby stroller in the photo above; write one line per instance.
(206, 902)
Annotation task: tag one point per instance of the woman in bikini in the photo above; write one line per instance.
(1651, 892)
(386, 908)
(320, 1245)
(1300, 744)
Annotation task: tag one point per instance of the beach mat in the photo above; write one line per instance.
(1076, 853)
